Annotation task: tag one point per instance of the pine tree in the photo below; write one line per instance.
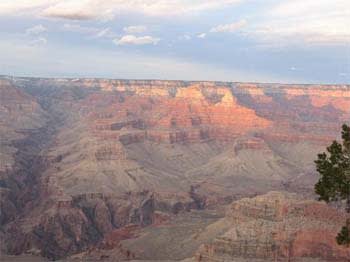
(334, 183)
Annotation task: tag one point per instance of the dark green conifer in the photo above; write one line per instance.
(334, 182)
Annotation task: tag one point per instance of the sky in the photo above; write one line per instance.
(289, 41)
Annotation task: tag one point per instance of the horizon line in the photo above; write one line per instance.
(175, 80)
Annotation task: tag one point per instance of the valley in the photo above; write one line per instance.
(145, 170)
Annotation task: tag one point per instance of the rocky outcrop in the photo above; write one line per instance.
(278, 227)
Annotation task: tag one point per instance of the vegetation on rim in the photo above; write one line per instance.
(334, 183)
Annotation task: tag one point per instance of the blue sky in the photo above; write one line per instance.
(292, 41)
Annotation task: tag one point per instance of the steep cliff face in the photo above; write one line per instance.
(59, 228)
(81, 158)
(278, 227)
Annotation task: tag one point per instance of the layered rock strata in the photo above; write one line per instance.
(278, 227)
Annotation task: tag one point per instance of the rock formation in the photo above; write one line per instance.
(278, 227)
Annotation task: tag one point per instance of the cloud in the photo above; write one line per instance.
(185, 37)
(305, 21)
(202, 35)
(79, 29)
(135, 40)
(136, 29)
(92, 31)
(74, 10)
(36, 30)
(312, 7)
(107, 32)
(108, 9)
(39, 41)
(34, 35)
(14, 7)
(229, 28)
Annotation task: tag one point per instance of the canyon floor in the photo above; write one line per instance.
(148, 170)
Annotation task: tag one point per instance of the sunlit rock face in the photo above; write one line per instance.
(94, 156)
(192, 115)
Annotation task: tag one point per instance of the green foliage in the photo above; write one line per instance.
(334, 183)
(343, 237)
(345, 134)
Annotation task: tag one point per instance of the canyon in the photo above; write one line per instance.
(145, 170)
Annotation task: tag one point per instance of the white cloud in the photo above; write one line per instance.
(108, 9)
(14, 7)
(91, 31)
(34, 35)
(312, 7)
(229, 28)
(135, 40)
(36, 30)
(79, 29)
(107, 32)
(76, 10)
(136, 29)
(39, 41)
(307, 21)
(202, 35)
(185, 37)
